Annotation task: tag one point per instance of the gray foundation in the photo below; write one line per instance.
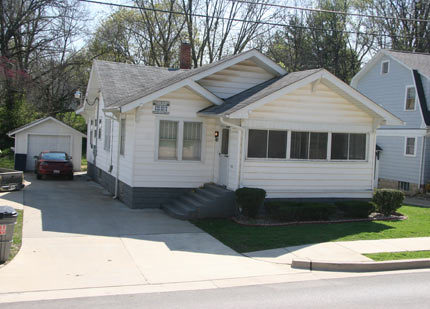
(135, 197)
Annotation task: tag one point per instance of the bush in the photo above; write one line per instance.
(291, 211)
(356, 209)
(249, 200)
(6, 153)
(387, 201)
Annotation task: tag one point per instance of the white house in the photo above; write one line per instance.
(156, 133)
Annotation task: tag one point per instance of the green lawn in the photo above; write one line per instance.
(7, 162)
(17, 236)
(84, 164)
(391, 256)
(249, 238)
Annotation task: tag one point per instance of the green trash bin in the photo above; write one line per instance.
(8, 217)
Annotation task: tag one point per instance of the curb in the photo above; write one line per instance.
(360, 266)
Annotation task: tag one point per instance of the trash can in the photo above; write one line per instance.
(8, 217)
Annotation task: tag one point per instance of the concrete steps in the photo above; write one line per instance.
(210, 201)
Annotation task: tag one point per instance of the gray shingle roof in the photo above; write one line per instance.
(416, 61)
(256, 93)
(124, 83)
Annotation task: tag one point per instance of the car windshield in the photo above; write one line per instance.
(54, 156)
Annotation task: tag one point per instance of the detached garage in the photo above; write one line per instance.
(47, 134)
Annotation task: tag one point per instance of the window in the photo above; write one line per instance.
(385, 66)
(402, 185)
(122, 139)
(168, 140)
(410, 99)
(192, 142)
(348, 146)
(410, 146)
(108, 126)
(224, 141)
(309, 145)
(267, 144)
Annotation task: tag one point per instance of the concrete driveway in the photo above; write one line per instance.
(76, 236)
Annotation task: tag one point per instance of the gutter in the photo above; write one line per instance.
(242, 140)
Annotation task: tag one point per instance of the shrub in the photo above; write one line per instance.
(356, 209)
(249, 200)
(387, 201)
(296, 211)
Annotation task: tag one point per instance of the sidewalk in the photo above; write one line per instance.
(341, 251)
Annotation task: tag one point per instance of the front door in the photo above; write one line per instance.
(223, 157)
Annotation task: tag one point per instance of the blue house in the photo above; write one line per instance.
(400, 82)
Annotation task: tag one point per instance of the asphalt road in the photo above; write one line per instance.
(402, 290)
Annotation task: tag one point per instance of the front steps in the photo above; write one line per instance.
(210, 201)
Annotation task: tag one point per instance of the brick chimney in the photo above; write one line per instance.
(185, 56)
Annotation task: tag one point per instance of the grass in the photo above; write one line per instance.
(391, 256)
(84, 164)
(17, 236)
(7, 162)
(249, 238)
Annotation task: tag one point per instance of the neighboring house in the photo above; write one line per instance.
(400, 83)
(156, 133)
(46, 134)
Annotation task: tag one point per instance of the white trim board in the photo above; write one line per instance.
(402, 132)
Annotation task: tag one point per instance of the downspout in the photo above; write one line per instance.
(97, 132)
(117, 155)
(241, 139)
(423, 146)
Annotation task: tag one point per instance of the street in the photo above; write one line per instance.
(397, 290)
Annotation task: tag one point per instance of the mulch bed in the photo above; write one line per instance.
(269, 222)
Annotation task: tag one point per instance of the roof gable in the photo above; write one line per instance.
(40, 121)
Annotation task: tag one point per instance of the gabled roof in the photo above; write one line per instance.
(239, 105)
(39, 121)
(415, 61)
(256, 93)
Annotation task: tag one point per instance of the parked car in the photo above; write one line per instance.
(54, 163)
(11, 180)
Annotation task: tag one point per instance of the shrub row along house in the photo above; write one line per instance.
(156, 133)
(400, 83)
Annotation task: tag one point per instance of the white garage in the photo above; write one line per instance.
(48, 134)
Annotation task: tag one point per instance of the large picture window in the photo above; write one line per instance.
(309, 145)
(192, 143)
(348, 146)
(267, 144)
(167, 144)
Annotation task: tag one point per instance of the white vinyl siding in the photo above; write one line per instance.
(107, 129)
(235, 79)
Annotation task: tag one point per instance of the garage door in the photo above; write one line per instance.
(39, 143)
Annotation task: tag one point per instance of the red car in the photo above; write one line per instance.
(55, 163)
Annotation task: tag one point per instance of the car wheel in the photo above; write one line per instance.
(39, 176)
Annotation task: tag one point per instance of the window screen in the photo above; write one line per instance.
(168, 140)
(339, 146)
(357, 146)
(410, 98)
(318, 146)
(257, 143)
(224, 141)
(192, 142)
(299, 145)
(348, 146)
(410, 146)
(277, 144)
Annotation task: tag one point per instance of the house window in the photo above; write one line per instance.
(410, 99)
(267, 144)
(348, 146)
(108, 126)
(309, 145)
(122, 139)
(224, 141)
(402, 185)
(385, 66)
(410, 146)
(168, 140)
(192, 141)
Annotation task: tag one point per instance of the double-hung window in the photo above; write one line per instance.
(410, 146)
(309, 145)
(180, 140)
(348, 146)
(267, 144)
(108, 126)
(167, 145)
(410, 98)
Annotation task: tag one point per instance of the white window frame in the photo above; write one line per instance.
(287, 148)
(107, 135)
(180, 140)
(382, 67)
(406, 97)
(349, 137)
(406, 145)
